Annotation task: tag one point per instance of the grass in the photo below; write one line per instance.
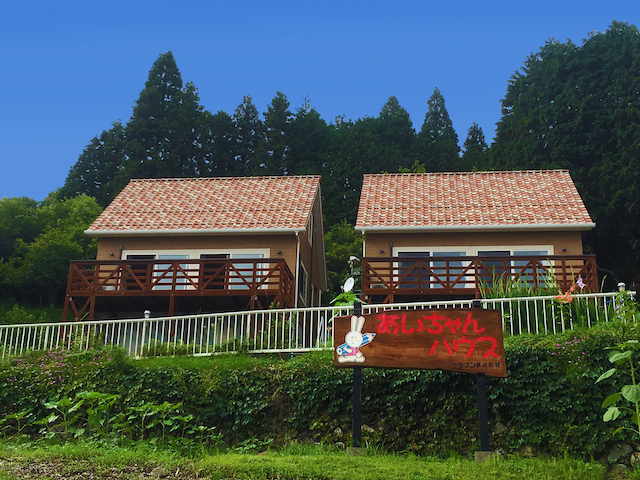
(138, 460)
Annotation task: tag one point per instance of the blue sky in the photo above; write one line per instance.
(68, 70)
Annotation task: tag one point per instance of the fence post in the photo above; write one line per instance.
(147, 315)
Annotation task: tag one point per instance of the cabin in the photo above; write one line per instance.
(178, 246)
(437, 236)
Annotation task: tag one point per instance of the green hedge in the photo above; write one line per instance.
(549, 402)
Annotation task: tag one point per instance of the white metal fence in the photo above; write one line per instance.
(282, 330)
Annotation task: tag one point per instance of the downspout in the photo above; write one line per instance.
(310, 279)
(364, 239)
(295, 303)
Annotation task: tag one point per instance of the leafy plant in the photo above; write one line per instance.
(165, 419)
(66, 410)
(346, 299)
(140, 416)
(97, 408)
(626, 307)
(622, 355)
(18, 421)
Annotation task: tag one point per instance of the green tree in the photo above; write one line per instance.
(97, 167)
(417, 167)
(272, 152)
(250, 134)
(475, 149)
(311, 142)
(577, 108)
(437, 141)
(221, 145)
(357, 152)
(164, 135)
(38, 268)
(396, 132)
(341, 242)
(368, 145)
(19, 219)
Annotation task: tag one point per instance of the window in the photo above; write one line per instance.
(303, 280)
(449, 272)
(455, 269)
(162, 270)
(527, 273)
(214, 273)
(238, 277)
(242, 275)
(495, 268)
(444, 272)
(492, 269)
(410, 272)
(136, 276)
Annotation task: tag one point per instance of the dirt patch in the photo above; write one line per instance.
(83, 470)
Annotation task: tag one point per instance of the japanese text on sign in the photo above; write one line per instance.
(452, 339)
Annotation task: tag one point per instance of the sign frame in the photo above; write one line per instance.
(461, 340)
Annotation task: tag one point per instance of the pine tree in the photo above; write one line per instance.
(311, 142)
(273, 149)
(437, 141)
(221, 146)
(396, 132)
(250, 134)
(163, 137)
(475, 149)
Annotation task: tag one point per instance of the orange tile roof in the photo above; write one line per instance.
(471, 200)
(201, 205)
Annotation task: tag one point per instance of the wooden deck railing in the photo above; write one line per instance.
(88, 280)
(394, 277)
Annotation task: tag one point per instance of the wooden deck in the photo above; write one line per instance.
(390, 279)
(176, 286)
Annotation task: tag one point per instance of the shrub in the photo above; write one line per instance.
(549, 402)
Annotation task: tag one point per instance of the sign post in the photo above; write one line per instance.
(459, 340)
(357, 397)
(483, 417)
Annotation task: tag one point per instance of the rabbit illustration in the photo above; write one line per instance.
(350, 351)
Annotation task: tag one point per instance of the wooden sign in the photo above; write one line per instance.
(459, 340)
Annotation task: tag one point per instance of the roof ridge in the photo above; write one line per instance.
(258, 177)
(486, 172)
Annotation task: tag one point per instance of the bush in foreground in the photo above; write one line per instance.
(549, 403)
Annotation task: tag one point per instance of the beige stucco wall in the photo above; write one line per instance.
(286, 244)
(571, 241)
(283, 243)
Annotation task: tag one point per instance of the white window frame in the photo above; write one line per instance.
(196, 253)
(396, 253)
(470, 251)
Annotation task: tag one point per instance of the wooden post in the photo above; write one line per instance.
(483, 416)
(481, 386)
(357, 395)
(357, 408)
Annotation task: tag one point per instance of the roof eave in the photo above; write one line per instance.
(192, 231)
(477, 228)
